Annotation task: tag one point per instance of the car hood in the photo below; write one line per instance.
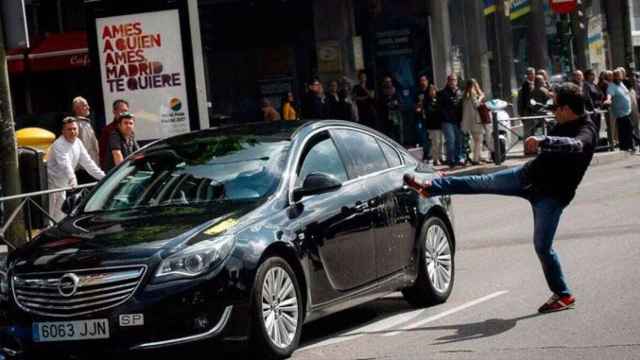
(119, 238)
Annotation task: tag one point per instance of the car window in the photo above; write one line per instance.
(392, 156)
(204, 170)
(409, 160)
(322, 157)
(364, 151)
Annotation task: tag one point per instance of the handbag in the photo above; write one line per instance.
(485, 114)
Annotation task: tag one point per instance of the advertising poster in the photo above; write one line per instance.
(141, 62)
(329, 56)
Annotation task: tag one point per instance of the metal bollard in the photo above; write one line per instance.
(497, 149)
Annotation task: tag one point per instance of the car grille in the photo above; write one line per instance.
(73, 293)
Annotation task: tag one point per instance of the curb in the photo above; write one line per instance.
(609, 157)
(599, 159)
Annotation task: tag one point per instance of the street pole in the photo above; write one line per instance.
(504, 47)
(9, 174)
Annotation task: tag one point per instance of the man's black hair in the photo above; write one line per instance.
(570, 94)
(117, 102)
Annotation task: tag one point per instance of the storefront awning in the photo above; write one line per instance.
(63, 51)
(15, 61)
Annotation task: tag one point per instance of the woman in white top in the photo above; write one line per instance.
(471, 121)
(65, 155)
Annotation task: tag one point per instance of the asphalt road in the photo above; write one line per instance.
(491, 313)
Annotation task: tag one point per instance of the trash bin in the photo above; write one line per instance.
(33, 177)
(36, 138)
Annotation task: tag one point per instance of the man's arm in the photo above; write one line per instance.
(117, 157)
(582, 142)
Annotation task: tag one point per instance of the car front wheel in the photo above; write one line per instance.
(277, 310)
(436, 265)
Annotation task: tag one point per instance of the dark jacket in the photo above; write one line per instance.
(431, 110)
(450, 102)
(565, 156)
(594, 93)
(387, 104)
(524, 96)
(332, 107)
(313, 107)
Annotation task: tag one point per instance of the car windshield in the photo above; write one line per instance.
(195, 172)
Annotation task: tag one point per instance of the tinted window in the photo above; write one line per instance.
(322, 157)
(363, 150)
(392, 156)
(408, 159)
(218, 169)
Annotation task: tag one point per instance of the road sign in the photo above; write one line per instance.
(563, 6)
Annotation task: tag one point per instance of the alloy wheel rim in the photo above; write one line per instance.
(437, 256)
(279, 307)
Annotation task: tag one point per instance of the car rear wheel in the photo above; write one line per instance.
(277, 310)
(436, 265)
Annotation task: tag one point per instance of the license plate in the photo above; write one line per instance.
(71, 330)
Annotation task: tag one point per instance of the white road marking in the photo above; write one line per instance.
(448, 312)
(393, 321)
(381, 325)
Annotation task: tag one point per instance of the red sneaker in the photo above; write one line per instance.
(557, 303)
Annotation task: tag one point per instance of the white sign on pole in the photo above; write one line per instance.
(596, 43)
(141, 62)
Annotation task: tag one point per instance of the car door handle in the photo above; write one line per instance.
(361, 206)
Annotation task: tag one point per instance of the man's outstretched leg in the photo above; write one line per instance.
(506, 182)
(546, 216)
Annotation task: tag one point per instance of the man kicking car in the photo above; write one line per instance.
(548, 182)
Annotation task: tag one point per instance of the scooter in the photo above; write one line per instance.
(499, 107)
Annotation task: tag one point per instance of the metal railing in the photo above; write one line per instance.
(28, 203)
(500, 124)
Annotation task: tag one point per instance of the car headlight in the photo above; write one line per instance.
(196, 259)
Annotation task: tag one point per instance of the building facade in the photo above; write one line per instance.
(237, 52)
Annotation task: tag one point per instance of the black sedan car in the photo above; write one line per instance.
(241, 234)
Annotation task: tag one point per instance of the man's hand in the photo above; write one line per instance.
(531, 144)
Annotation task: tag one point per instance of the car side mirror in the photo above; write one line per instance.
(71, 202)
(316, 183)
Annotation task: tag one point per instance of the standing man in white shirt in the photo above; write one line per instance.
(66, 153)
(86, 134)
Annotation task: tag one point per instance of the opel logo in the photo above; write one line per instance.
(68, 284)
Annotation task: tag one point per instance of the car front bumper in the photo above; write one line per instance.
(173, 313)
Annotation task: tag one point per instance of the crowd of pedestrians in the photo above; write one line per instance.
(616, 93)
(452, 123)
(444, 118)
(78, 156)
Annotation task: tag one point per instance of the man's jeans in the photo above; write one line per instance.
(546, 214)
(452, 138)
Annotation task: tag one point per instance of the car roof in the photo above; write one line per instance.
(285, 130)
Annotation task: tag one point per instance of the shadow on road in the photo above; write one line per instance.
(477, 330)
